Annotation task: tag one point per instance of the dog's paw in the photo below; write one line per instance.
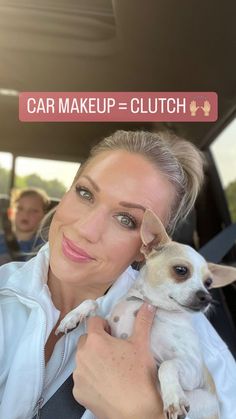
(176, 407)
(85, 309)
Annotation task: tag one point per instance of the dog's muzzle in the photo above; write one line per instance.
(201, 301)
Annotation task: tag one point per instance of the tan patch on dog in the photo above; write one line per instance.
(210, 385)
(209, 382)
(160, 264)
(181, 278)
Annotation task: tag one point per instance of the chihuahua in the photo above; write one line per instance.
(175, 279)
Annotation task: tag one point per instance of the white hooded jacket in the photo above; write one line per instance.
(27, 317)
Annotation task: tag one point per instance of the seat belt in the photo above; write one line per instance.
(221, 318)
(220, 245)
(63, 405)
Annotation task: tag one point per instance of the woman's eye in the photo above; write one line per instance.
(84, 193)
(127, 220)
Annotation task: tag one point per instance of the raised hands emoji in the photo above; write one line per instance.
(206, 108)
(193, 107)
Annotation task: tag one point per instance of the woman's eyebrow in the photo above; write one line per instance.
(96, 187)
(132, 205)
(123, 203)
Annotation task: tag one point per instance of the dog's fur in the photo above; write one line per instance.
(176, 279)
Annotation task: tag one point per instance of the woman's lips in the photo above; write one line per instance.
(74, 252)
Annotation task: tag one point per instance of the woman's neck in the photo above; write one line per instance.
(67, 296)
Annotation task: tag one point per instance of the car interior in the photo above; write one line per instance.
(135, 46)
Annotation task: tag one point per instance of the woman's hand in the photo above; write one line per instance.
(115, 378)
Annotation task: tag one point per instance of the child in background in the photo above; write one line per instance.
(28, 207)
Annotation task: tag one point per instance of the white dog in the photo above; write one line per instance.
(176, 279)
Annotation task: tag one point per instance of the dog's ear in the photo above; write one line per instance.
(222, 275)
(153, 233)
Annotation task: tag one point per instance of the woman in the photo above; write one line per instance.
(93, 239)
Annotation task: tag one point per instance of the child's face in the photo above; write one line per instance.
(28, 214)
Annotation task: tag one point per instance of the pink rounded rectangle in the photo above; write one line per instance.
(118, 106)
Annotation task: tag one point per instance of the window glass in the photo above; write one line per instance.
(55, 177)
(5, 172)
(224, 153)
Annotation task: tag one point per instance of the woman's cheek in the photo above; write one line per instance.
(127, 248)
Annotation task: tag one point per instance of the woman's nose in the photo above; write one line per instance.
(92, 225)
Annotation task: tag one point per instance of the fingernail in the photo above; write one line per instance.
(150, 307)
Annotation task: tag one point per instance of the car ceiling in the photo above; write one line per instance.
(104, 45)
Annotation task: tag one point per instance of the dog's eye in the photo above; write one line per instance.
(208, 282)
(181, 270)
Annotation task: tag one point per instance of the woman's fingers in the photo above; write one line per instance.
(98, 325)
(110, 370)
(143, 323)
(82, 341)
(94, 325)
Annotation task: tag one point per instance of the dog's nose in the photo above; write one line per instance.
(203, 297)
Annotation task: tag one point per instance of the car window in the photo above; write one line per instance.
(5, 172)
(224, 152)
(54, 176)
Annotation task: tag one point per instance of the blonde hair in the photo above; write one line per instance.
(17, 194)
(179, 160)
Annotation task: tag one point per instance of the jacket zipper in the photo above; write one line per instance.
(41, 400)
(59, 369)
(36, 410)
(38, 406)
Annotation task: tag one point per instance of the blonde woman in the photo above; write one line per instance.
(93, 240)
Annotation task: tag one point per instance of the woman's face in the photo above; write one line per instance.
(95, 232)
